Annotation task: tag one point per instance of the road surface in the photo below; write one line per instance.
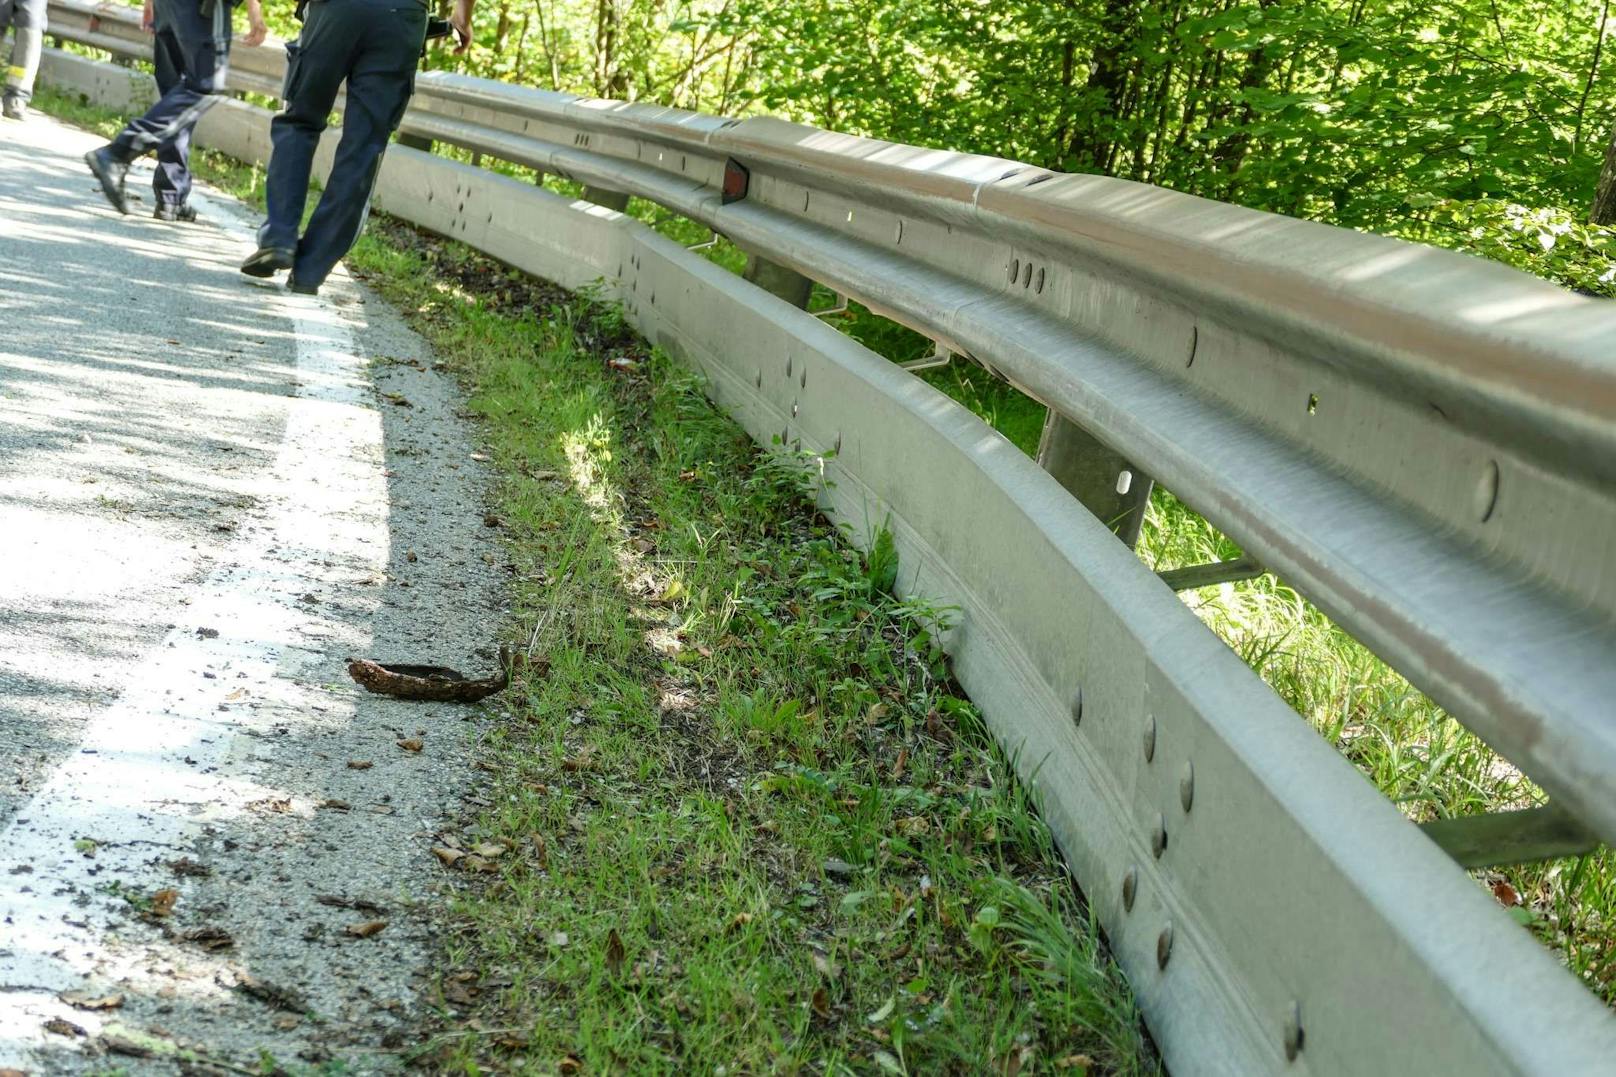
(211, 493)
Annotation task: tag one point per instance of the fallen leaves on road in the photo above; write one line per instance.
(449, 857)
(84, 1000)
(282, 998)
(210, 937)
(412, 744)
(185, 867)
(163, 902)
(366, 928)
(60, 1026)
(336, 901)
(1506, 894)
(435, 684)
(360, 764)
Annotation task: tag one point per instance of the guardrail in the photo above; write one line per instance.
(1422, 443)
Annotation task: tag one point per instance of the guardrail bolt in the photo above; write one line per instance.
(1150, 738)
(1294, 1033)
(1130, 888)
(1158, 836)
(1186, 786)
(1164, 945)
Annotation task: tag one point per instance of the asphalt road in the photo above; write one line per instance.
(206, 506)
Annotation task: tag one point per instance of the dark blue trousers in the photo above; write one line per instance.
(192, 56)
(373, 45)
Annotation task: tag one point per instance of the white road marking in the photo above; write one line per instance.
(167, 759)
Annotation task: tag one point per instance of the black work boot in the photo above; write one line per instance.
(111, 173)
(267, 261)
(181, 211)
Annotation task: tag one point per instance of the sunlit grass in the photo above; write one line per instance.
(746, 763)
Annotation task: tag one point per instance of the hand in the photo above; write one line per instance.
(148, 18)
(461, 22)
(257, 30)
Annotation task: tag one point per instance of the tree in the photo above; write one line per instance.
(1604, 211)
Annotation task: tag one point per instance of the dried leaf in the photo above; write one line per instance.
(821, 1003)
(84, 1000)
(1506, 894)
(449, 857)
(360, 764)
(282, 998)
(492, 849)
(366, 929)
(63, 1027)
(210, 937)
(163, 902)
(186, 867)
(1074, 1062)
(412, 744)
(740, 919)
(570, 1064)
(614, 953)
(825, 966)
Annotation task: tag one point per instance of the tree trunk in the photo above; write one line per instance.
(1231, 152)
(1097, 117)
(1605, 194)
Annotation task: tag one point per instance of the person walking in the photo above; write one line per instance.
(27, 21)
(191, 50)
(375, 46)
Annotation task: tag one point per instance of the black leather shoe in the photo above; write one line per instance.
(181, 212)
(111, 173)
(267, 261)
(295, 285)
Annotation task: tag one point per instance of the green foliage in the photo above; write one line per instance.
(1391, 116)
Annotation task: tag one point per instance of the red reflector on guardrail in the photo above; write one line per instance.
(736, 181)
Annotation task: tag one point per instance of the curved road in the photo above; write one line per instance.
(205, 507)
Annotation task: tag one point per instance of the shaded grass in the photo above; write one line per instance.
(752, 824)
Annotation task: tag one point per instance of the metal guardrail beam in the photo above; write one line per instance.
(1298, 908)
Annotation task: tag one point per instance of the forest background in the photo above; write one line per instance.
(1481, 125)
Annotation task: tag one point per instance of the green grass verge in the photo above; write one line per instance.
(751, 825)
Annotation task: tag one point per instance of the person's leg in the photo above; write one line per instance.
(28, 22)
(316, 64)
(171, 181)
(380, 82)
(204, 41)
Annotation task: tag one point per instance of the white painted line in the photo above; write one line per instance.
(168, 758)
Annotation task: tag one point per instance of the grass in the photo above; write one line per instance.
(752, 825)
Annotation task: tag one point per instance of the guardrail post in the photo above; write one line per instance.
(788, 284)
(415, 142)
(1094, 474)
(617, 200)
